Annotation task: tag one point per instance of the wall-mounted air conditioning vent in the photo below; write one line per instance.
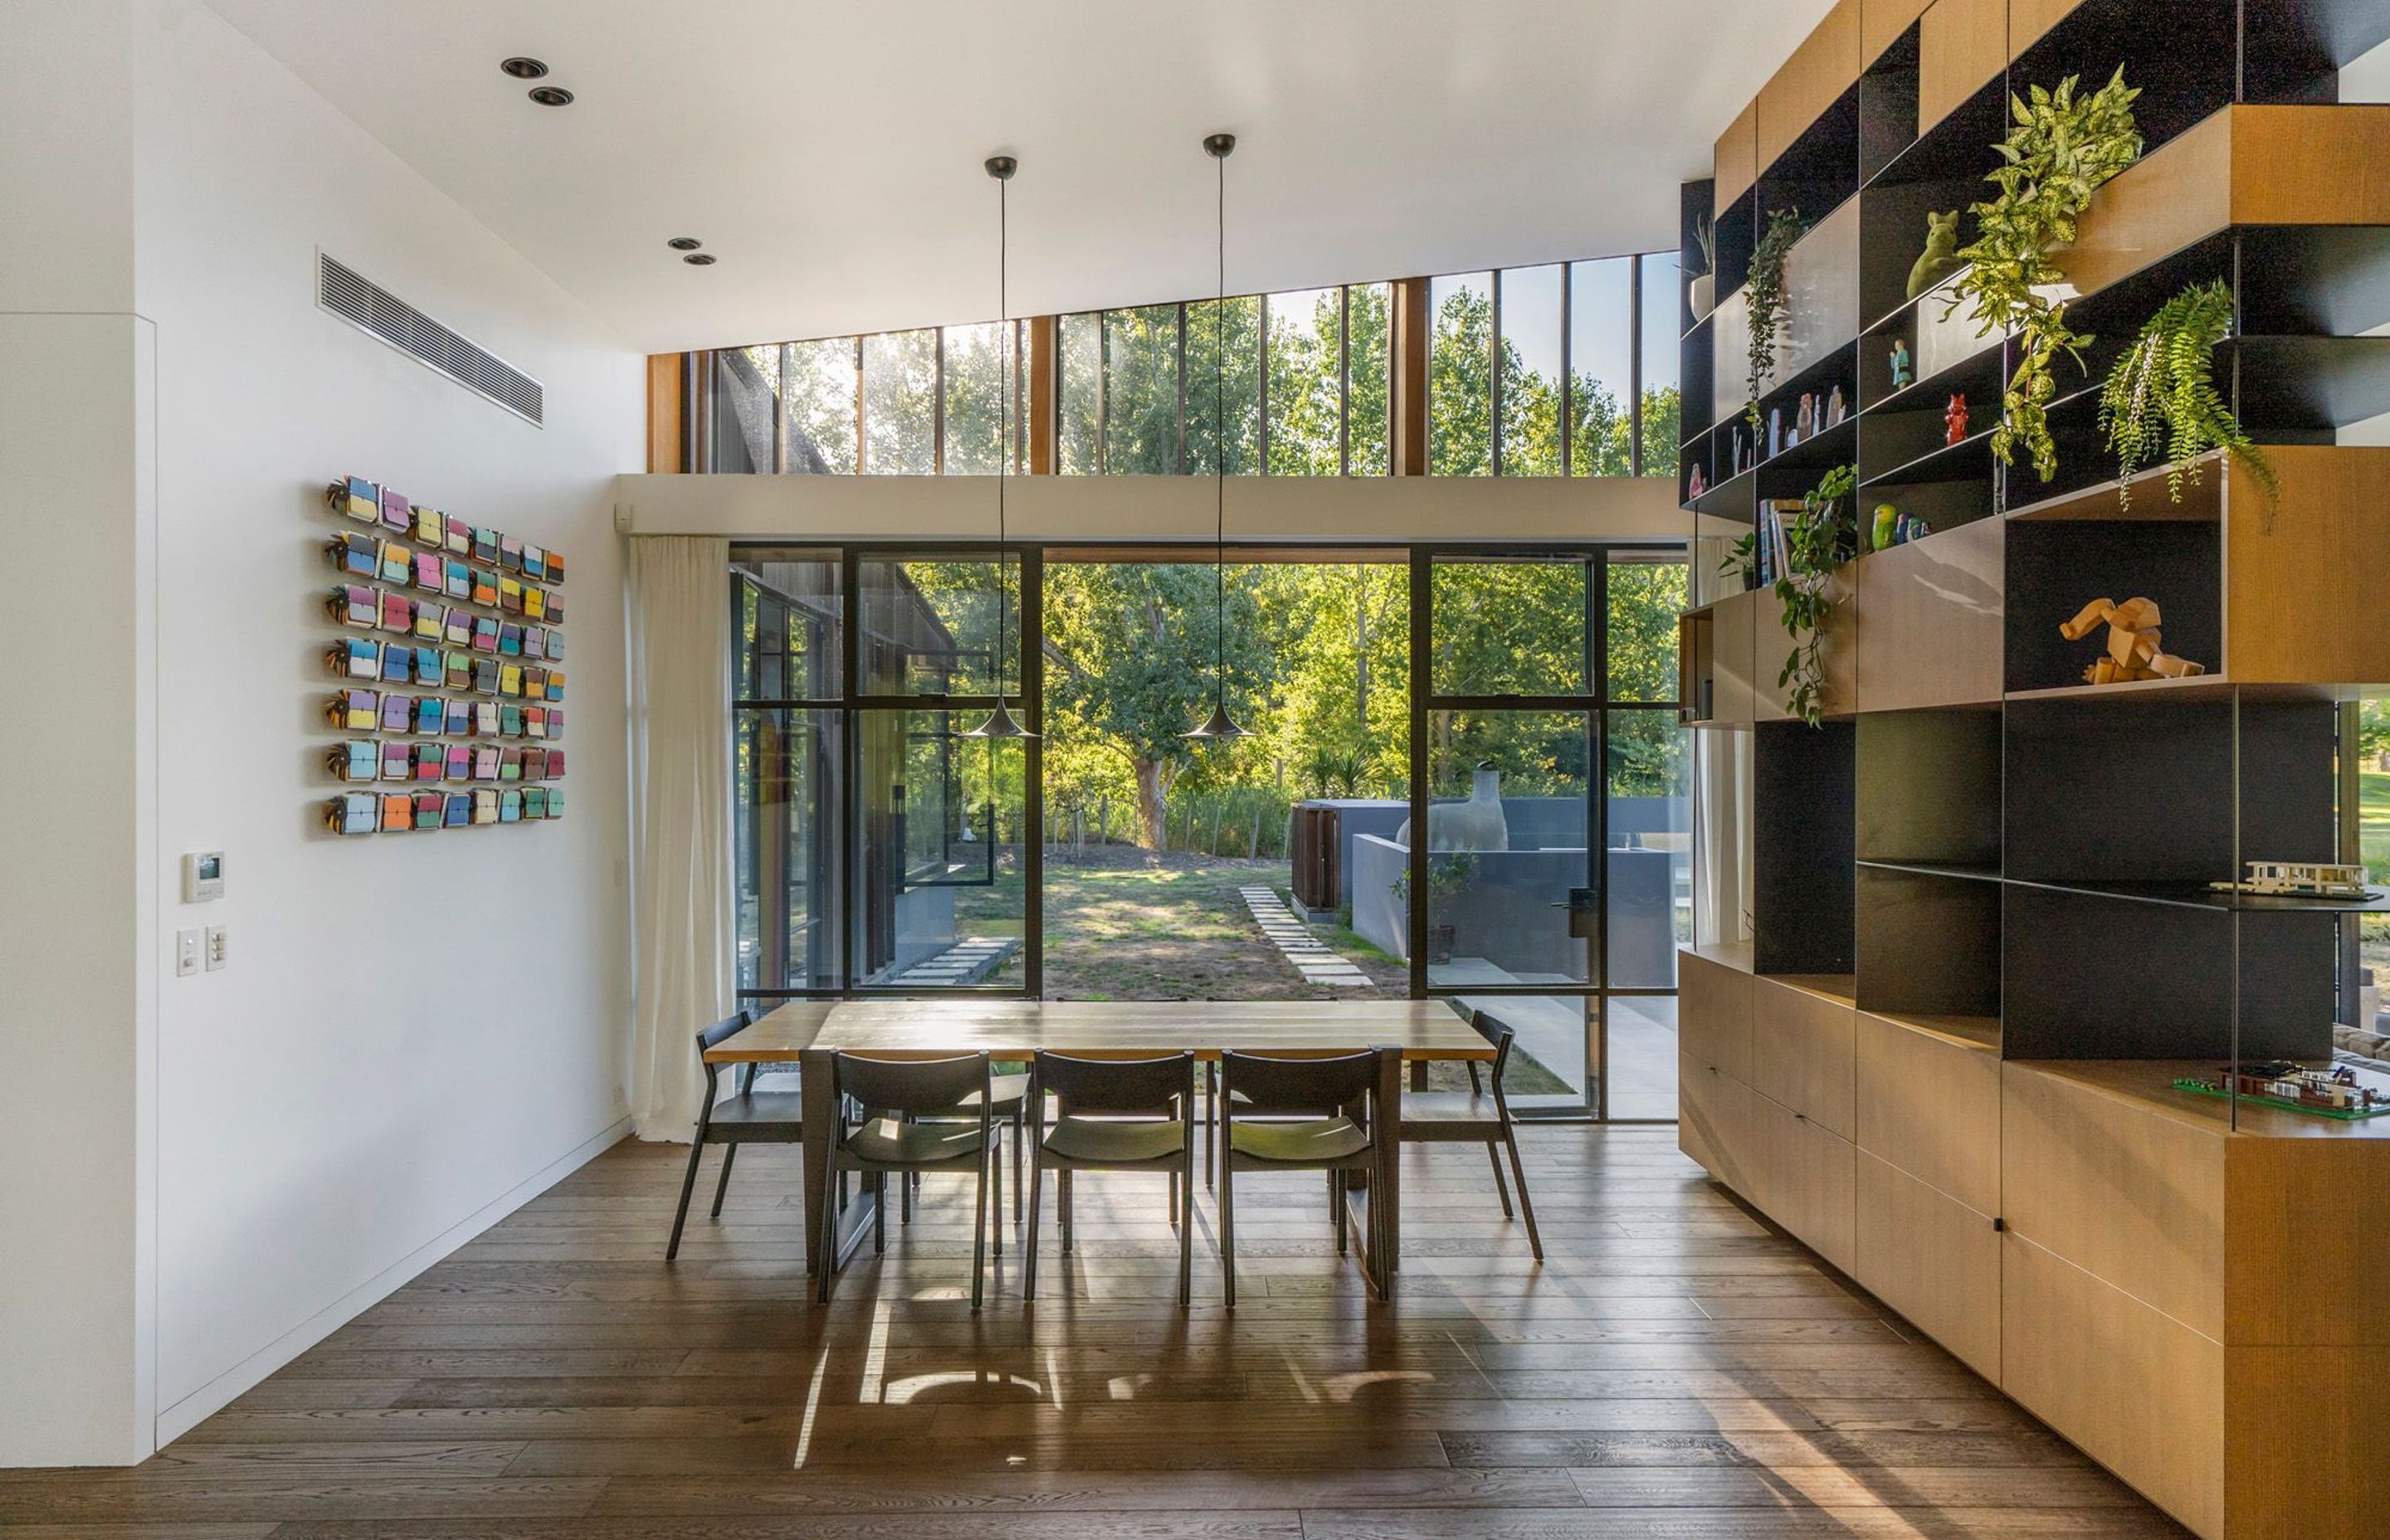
(377, 312)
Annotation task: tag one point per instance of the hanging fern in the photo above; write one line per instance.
(1763, 297)
(1814, 542)
(2162, 391)
(2060, 149)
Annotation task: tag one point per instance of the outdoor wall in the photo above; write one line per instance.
(414, 1033)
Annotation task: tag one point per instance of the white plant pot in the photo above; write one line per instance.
(1704, 295)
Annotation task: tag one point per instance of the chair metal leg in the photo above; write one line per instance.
(1036, 1203)
(993, 1160)
(879, 1213)
(1211, 1115)
(1526, 1209)
(1228, 1238)
(1062, 1207)
(688, 1186)
(1184, 1192)
(1494, 1154)
(1336, 1214)
(1020, 1139)
(1174, 1197)
(729, 1152)
(979, 1235)
(832, 1182)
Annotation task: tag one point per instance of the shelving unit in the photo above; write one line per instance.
(1974, 938)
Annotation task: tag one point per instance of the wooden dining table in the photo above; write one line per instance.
(1400, 1032)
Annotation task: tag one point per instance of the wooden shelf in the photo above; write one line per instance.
(2148, 1084)
(1840, 989)
(2205, 686)
(2202, 501)
(1980, 1033)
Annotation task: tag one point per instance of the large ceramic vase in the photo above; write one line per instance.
(1701, 295)
(1477, 824)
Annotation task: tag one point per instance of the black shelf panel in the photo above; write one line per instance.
(1967, 460)
(1982, 370)
(2299, 389)
(1956, 870)
(2185, 64)
(2199, 895)
(1831, 447)
(1960, 146)
(1802, 878)
(1927, 945)
(1732, 498)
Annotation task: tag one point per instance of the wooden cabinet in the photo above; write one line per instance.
(1733, 621)
(1802, 1052)
(1773, 645)
(2323, 549)
(1931, 1257)
(1713, 1014)
(1929, 1104)
(1928, 620)
(1736, 166)
(1880, 24)
(1803, 1178)
(1960, 45)
(1719, 1125)
(1821, 69)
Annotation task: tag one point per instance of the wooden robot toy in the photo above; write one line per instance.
(2135, 647)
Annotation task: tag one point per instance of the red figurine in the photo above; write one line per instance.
(1954, 419)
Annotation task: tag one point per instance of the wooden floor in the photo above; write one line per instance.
(1675, 1370)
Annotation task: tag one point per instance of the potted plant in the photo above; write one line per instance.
(1764, 296)
(1447, 875)
(1702, 292)
(2162, 393)
(2060, 149)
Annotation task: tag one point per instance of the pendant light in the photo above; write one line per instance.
(1220, 726)
(999, 723)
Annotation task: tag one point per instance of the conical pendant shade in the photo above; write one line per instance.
(1000, 724)
(1220, 725)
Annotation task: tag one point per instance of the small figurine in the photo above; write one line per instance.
(2333, 1092)
(1834, 409)
(1941, 258)
(1806, 423)
(2302, 879)
(1775, 431)
(1900, 376)
(1954, 419)
(1695, 487)
(1909, 527)
(1741, 453)
(2135, 647)
(1887, 518)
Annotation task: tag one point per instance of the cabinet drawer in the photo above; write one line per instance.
(1932, 1258)
(1803, 1053)
(1716, 1125)
(1805, 1174)
(1713, 1014)
(2140, 1391)
(1932, 1108)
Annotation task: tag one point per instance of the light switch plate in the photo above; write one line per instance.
(215, 947)
(187, 953)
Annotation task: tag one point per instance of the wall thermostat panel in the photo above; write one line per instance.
(204, 875)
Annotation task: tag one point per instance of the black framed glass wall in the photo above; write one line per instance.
(879, 845)
(1547, 893)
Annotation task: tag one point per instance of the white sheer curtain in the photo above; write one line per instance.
(1722, 786)
(684, 912)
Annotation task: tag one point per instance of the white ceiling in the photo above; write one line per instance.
(829, 153)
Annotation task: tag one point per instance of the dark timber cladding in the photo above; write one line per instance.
(1676, 1368)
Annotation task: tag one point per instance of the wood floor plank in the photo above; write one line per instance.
(1675, 1370)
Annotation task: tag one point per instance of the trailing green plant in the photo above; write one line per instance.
(2163, 392)
(1817, 540)
(2062, 147)
(1763, 297)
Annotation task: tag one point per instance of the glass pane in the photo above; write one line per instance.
(1506, 848)
(1648, 865)
(1642, 1061)
(900, 396)
(746, 406)
(979, 398)
(1510, 626)
(823, 384)
(1646, 596)
(1531, 371)
(938, 877)
(1369, 347)
(1232, 331)
(1306, 372)
(1660, 394)
(1081, 348)
(789, 625)
(930, 626)
(786, 769)
(1601, 365)
(1141, 392)
(1460, 376)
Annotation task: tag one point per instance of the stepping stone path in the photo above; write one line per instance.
(967, 962)
(1318, 962)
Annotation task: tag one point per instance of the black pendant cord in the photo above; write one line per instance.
(1220, 449)
(999, 723)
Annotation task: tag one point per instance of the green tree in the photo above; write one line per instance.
(1460, 385)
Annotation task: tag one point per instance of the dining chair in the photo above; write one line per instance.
(903, 1125)
(1475, 1117)
(1110, 1114)
(748, 1117)
(1008, 1098)
(1297, 1114)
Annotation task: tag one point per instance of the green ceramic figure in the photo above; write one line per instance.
(1941, 258)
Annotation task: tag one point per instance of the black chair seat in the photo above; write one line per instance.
(1111, 1141)
(1295, 1143)
(1009, 1092)
(1450, 1107)
(775, 1110)
(886, 1141)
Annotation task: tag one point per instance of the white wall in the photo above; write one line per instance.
(201, 1176)
(412, 1028)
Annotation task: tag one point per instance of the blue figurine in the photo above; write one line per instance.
(1900, 375)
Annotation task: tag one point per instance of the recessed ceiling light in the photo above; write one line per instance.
(551, 96)
(699, 259)
(523, 67)
(684, 243)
